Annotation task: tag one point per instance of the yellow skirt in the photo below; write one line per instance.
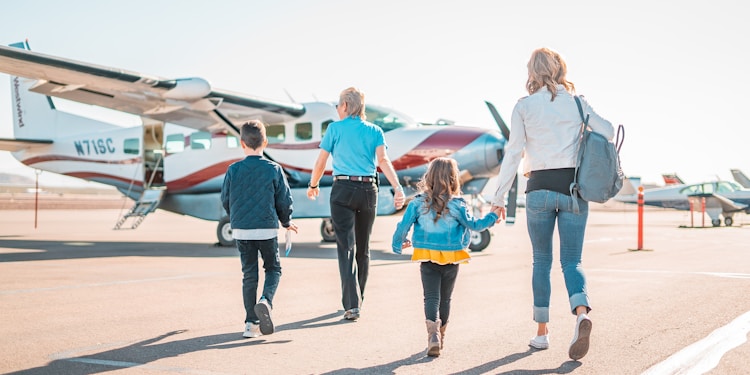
(441, 257)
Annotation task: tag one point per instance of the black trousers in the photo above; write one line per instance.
(353, 209)
(437, 283)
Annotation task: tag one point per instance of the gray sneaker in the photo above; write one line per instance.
(263, 311)
(580, 345)
(352, 314)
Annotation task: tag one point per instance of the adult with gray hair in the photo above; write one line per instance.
(358, 148)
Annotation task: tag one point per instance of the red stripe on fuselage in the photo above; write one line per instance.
(46, 158)
(444, 142)
(200, 176)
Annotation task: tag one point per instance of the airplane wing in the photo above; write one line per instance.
(726, 204)
(190, 102)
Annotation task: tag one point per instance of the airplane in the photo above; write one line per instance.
(722, 198)
(189, 135)
(740, 178)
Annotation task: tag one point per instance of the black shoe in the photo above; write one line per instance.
(263, 311)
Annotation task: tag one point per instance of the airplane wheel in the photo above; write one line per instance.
(479, 240)
(716, 222)
(728, 221)
(327, 232)
(224, 232)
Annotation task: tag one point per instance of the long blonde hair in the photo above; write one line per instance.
(439, 184)
(547, 69)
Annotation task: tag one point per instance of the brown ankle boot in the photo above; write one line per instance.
(442, 334)
(433, 338)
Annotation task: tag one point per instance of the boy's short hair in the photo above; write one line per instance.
(253, 134)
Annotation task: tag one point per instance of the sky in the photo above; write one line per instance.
(673, 73)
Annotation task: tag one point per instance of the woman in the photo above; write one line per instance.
(546, 128)
(358, 149)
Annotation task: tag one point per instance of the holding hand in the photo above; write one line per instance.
(500, 212)
(313, 192)
(399, 198)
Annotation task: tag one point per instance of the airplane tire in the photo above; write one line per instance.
(728, 221)
(326, 231)
(716, 222)
(224, 232)
(479, 240)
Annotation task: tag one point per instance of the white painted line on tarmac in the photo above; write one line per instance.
(731, 275)
(120, 282)
(705, 354)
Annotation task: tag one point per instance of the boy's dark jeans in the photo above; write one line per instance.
(353, 209)
(437, 283)
(269, 251)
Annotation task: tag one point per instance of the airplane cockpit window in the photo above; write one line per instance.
(707, 188)
(692, 189)
(275, 133)
(232, 141)
(387, 119)
(200, 141)
(724, 187)
(175, 143)
(303, 131)
(131, 146)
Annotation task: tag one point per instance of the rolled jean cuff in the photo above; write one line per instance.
(579, 299)
(541, 314)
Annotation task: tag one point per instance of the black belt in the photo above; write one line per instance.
(355, 178)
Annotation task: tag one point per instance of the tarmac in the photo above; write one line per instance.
(77, 297)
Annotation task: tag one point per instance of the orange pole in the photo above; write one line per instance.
(703, 211)
(640, 218)
(691, 212)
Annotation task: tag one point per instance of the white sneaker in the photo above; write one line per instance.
(540, 342)
(580, 344)
(252, 330)
(263, 311)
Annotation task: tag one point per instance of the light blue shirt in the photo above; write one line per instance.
(352, 143)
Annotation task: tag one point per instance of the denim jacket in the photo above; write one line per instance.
(452, 232)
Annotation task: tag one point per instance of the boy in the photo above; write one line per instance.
(256, 196)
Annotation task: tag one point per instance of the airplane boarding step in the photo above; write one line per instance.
(147, 204)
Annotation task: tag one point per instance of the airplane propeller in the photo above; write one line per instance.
(510, 215)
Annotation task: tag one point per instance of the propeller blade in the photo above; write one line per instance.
(510, 212)
(499, 120)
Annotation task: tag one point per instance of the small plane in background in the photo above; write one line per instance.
(672, 179)
(189, 136)
(722, 198)
(740, 178)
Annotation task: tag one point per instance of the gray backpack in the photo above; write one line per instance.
(598, 175)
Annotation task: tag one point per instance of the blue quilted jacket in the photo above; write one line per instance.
(256, 194)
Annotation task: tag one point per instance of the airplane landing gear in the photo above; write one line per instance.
(224, 232)
(326, 231)
(479, 240)
(728, 221)
(716, 222)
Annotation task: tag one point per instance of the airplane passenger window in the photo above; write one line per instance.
(275, 133)
(131, 146)
(200, 141)
(724, 187)
(303, 131)
(324, 127)
(232, 141)
(175, 143)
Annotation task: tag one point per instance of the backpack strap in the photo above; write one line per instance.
(579, 150)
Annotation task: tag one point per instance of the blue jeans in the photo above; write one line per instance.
(543, 209)
(353, 208)
(269, 251)
(437, 284)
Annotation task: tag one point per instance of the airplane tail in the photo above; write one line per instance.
(629, 186)
(672, 179)
(741, 178)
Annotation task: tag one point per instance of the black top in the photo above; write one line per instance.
(558, 180)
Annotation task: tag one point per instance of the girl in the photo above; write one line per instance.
(442, 229)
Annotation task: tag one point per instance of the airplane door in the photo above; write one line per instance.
(153, 153)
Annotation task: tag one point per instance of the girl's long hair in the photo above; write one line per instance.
(547, 69)
(439, 184)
